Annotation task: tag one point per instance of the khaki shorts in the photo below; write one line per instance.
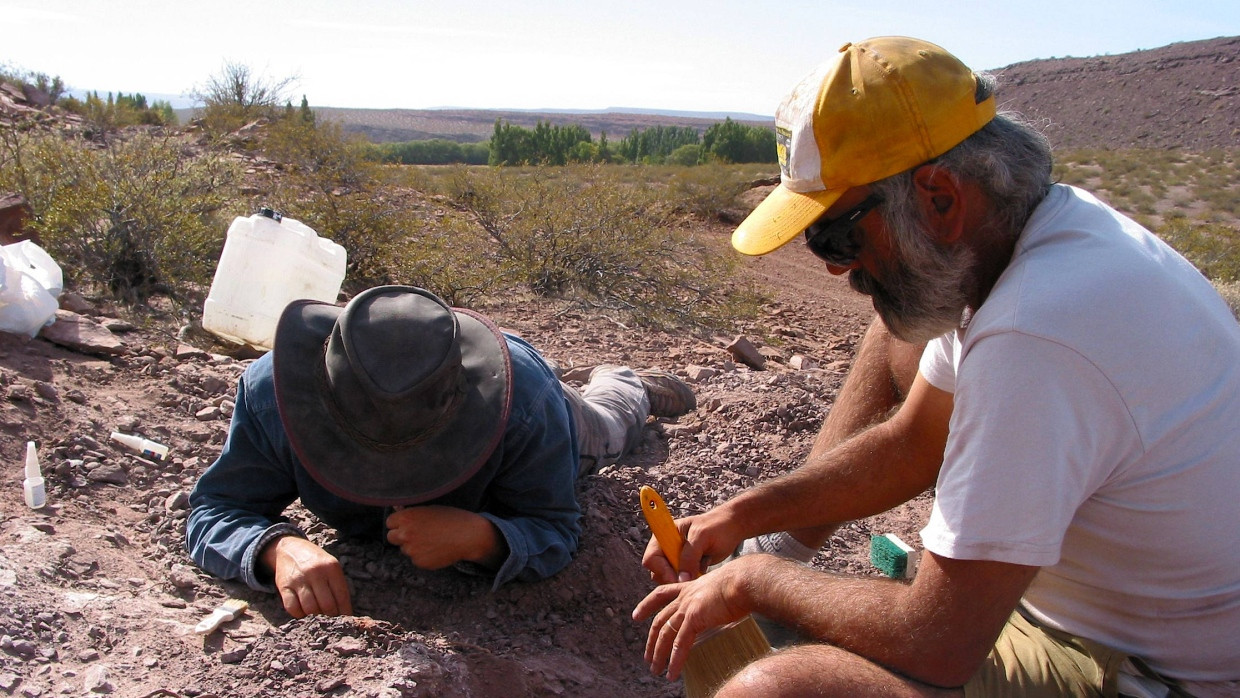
(1031, 661)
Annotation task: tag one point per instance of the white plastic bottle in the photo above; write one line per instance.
(267, 262)
(36, 495)
(150, 449)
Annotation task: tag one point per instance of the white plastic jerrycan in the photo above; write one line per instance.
(269, 261)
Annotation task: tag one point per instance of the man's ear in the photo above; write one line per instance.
(942, 201)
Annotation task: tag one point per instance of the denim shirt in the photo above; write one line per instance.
(526, 488)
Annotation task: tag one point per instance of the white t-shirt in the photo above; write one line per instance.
(1096, 434)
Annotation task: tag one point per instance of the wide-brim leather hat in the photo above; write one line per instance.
(394, 399)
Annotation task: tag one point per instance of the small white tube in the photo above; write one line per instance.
(148, 448)
(36, 495)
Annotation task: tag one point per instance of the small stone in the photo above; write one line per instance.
(347, 647)
(47, 391)
(110, 473)
(329, 685)
(186, 352)
(176, 501)
(802, 363)
(25, 648)
(182, 577)
(207, 414)
(96, 680)
(745, 352)
(698, 374)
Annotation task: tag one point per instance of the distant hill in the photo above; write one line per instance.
(1185, 95)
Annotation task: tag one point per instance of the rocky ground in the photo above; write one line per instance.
(102, 599)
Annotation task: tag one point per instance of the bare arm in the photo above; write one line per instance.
(877, 469)
(936, 630)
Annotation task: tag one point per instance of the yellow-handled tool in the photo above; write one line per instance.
(718, 653)
(662, 525)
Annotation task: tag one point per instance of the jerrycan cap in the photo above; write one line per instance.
(271, 213)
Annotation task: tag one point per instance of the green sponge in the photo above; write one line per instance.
(892, 556)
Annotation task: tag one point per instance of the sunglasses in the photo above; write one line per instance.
(833, 241)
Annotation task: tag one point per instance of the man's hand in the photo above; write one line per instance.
(709, 538)
(309, 579)
(434, 537)
(685, 610)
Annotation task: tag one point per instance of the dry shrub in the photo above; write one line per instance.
(1212, 247)
(582, 234)
(1230, 293)
(136, 217)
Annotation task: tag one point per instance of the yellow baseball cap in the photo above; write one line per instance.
(879, 107)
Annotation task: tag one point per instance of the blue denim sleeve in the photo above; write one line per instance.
(236, 506)
(533, 499)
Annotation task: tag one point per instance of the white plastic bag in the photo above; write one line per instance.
(30, 286)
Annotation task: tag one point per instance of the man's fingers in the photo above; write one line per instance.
(291, 603)
(655, 560)
(659, 645)
(340, 590)
(658, 597)
(690, 562)
(670, 640)
(309, 604)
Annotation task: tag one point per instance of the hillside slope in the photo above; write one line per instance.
(1185, 95)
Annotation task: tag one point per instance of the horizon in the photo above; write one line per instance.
(723, 57)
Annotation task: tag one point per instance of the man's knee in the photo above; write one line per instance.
(784, 673)
(803, 670)
(823, 670)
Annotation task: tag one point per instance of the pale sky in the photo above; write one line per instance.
(708, 55)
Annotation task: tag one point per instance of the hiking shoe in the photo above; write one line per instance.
(669, 396)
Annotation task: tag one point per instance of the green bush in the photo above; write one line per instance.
(436, 151)
(135, 217)
(685, 156)
(319, 156)
(446, 258)
(1213, 248)
(1230, 293)
(707, 191)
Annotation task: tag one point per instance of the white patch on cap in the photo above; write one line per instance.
(795, 116)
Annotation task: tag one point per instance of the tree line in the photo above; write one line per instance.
(547, 144)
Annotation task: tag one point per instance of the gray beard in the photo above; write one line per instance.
(919, 302)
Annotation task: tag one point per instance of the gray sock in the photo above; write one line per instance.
(781, 544)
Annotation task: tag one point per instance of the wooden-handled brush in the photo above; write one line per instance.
(719, 653)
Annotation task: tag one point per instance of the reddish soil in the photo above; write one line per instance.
(102, 599)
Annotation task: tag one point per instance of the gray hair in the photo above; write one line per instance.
(1008, 158)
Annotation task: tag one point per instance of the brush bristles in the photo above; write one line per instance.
(715, 657)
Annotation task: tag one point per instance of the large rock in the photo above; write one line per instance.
(80, 333)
